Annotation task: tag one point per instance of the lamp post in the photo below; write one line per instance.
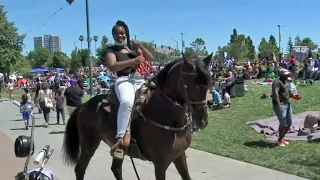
(136, 35)
(279, 27)
(182, 41)
(89, 44)
(177, 43)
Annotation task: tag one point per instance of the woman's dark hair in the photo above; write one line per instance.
(44, 86)
(24, 98)
(120, 23)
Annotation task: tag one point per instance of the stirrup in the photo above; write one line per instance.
(116, 151)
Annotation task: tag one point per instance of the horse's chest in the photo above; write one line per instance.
(181, 142)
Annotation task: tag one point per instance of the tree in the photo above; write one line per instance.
(81, 39)
(199, 47)
(95, 38)
(251, 48)
(308, 42)
(59, 60)
(101, 52)
(189, 51)
(289, 47)
(40, 57)
(233, 36)
(84, 57)
(273, 42)
(150, 46)
(265, 48)
(297, 40)
(10, 44)
(239, 49)
(22, 66)
(239, 46)
(76, 58)
(104, 40)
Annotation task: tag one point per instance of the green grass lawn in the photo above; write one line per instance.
(228, 135)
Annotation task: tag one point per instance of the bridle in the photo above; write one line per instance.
(187, 105)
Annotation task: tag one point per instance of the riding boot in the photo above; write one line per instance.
(117, 151)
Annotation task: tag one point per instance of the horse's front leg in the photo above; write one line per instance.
(182, 167)
(160, 170)
(116, 168)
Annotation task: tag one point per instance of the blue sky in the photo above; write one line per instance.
(212, 20)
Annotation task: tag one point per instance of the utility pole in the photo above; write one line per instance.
(136, 35)
(89, 44)
(182, 41)
(279, 27)
(177, 44)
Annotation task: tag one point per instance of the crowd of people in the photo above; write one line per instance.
(226, 74)
(51, 91)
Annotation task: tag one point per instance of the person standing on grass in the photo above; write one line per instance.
(10, 86)
(281, 105)
(60, 100)
(73, 95)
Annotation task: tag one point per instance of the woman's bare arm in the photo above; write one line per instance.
(114, 65)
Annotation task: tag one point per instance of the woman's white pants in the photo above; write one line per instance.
(125, 88)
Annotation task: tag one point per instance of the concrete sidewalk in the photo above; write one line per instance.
(202, 166)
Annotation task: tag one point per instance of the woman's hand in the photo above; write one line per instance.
(136, 43)
(139, 59)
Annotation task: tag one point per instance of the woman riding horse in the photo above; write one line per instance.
(160, 128)
(122, 59)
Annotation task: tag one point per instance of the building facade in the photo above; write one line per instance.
(52, 43)
(37, 42)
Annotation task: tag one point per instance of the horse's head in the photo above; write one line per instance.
(186, 81)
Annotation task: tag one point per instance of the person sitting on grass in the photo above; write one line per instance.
(226, 99)
(23, 109)
(216, 98)
(271, 76)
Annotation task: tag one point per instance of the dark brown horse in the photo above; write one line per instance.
(160, 127)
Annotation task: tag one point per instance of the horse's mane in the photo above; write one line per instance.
(204, 74)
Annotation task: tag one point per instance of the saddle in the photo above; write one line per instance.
(111, 105)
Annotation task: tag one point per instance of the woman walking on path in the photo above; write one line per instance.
(45, 95)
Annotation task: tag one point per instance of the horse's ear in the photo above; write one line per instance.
(207, 60)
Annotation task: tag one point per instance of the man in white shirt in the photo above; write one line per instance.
(311, 69)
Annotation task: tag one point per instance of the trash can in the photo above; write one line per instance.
(239, 88)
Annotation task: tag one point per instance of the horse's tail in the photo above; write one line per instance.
(71, 145)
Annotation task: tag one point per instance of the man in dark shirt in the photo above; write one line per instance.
(280, 100)
(73, 95)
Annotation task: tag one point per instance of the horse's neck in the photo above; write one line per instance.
(160, 108)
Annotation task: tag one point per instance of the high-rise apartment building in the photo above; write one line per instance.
(52, 43)
(37, 42)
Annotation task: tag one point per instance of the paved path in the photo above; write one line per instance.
(202, 166)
